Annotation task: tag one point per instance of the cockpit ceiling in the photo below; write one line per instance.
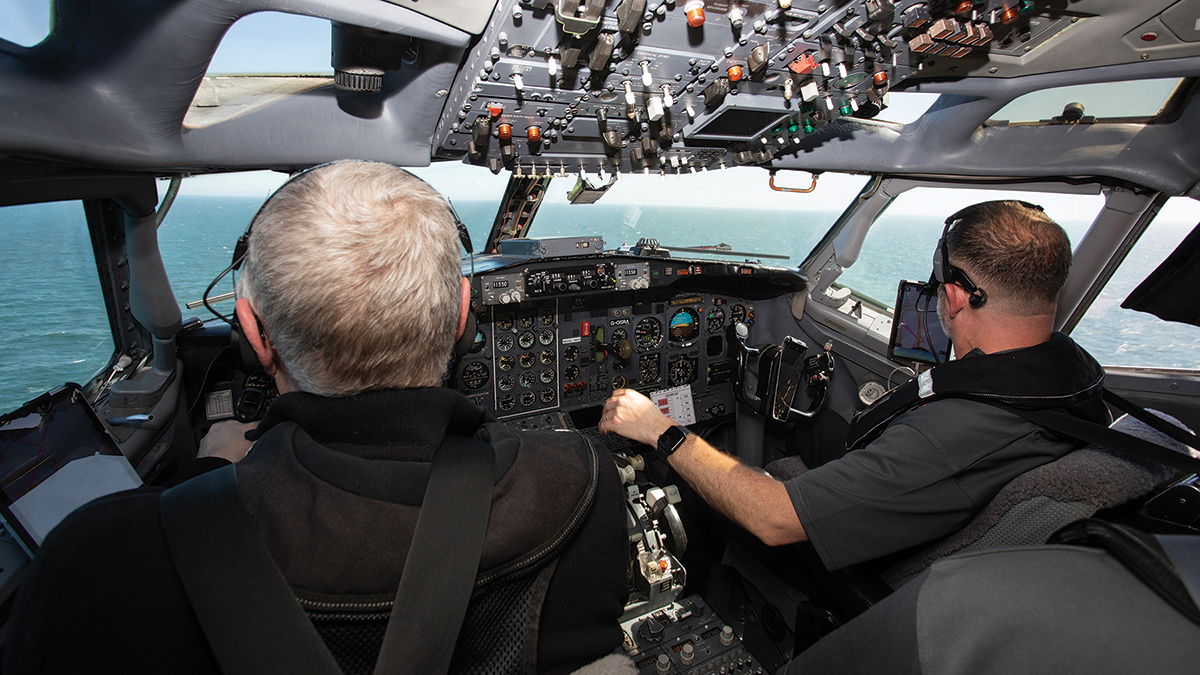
(615, 85)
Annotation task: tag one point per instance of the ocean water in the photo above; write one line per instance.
(53, 328)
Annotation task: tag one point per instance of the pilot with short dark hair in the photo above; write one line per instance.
(351, 296)
(927, 469)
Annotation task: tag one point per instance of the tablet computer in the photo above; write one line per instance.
(917, 333)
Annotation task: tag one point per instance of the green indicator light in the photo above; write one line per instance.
(777, 130)
(846, 110)
(808, 127)
(1027, 6)
(793, 128)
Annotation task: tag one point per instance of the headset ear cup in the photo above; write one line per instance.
(467, 340)
(977, 298)
(242, 350)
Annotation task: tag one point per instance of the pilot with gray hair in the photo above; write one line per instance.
(352, 298)
(923, 460)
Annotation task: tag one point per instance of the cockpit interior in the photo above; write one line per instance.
(771, 170)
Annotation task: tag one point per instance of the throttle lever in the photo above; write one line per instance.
(738, 333)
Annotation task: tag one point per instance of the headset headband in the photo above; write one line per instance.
(945, 273)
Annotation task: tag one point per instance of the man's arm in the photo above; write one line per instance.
(753, 500)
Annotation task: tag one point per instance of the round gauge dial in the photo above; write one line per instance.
(528, 399)
(506, 382)
(682, 371)
(546, 357)
(525, 339)
(649, 369)
(737, 313)
(571, 353)
(546, 317)
(547, 395)
(480, 340)
(547, 375)
(507, 402)
(505, 342)
(525, 320)
(715, 319)
(504, 322)
(475, 375)
(571, 372)
(685, 325)
(546, 337)
(618, 382)
(527, 360)
(619, 364)
(506, 363)
(648, 334)
(527, 380)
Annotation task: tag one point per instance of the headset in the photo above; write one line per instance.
(241, 347)
(945, 273)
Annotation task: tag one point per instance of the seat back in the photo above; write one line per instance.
(1037, 503)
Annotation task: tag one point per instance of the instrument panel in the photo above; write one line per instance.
(598, 325)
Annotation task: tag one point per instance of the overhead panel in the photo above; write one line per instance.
(560, 86)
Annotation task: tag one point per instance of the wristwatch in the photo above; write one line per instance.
(670, 440)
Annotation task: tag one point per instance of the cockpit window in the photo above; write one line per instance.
(264, 57)
(904, 106)
(735, 210)
(900, 244)
(201, 228)
(52, 317)
(26, 23)
(1123, 337)
(273, 43)
(1130, 101)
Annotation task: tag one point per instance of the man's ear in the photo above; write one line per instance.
(249, 326)
(464, 309)
(957, 298)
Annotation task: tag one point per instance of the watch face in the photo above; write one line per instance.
(671, 439)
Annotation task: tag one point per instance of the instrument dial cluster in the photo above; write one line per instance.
(570, 352)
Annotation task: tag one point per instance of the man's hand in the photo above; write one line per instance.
(227, 440)
(633, 416)
(753, 500)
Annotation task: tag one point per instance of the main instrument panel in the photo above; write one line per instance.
(564, 334)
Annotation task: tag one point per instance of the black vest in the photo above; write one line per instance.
(1056, 374)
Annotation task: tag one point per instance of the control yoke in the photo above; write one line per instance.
(768, 377)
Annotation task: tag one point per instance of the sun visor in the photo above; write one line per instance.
(1170, 291)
